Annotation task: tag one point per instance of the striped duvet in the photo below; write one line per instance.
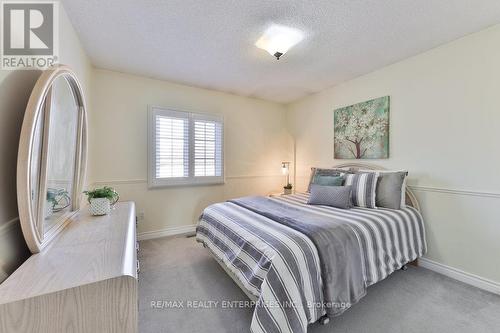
(280, 265)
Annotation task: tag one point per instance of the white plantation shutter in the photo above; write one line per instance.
(185, 148)
(172, 146)
(207, 148)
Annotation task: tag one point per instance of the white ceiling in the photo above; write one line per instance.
(210, 43)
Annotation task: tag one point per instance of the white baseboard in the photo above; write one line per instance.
(171, 231)
(460, 275)
(454, 273)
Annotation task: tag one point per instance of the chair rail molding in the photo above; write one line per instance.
(142, 181)
(440, 189)
(465, 192)
(418, 188)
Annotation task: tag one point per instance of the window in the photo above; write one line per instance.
(185, 148)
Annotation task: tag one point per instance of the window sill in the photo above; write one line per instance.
(159, 184)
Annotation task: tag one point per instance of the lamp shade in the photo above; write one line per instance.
(285, 168)
(278, 39)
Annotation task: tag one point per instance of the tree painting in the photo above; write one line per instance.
(361, 131)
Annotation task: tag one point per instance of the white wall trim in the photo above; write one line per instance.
(421, 188)
(454, 191)
(119, 182)
(170, 231)
(445, 190)
(253, 176)
(145, 181)
(7, 226)
(451, 272)
(457, 274)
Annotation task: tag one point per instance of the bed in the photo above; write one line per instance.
(297, 275)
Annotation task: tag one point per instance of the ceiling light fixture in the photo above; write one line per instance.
(278, 39)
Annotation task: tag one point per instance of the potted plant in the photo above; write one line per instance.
(287, 188)
(101, 200)
(51, 203)
(57, 200)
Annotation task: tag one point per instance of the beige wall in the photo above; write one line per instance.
(444, 129)
(255, 138)
(15, 89)
(445, 116)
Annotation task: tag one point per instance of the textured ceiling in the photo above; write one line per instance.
(210, 43)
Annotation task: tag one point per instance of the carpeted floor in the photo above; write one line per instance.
(418, 300)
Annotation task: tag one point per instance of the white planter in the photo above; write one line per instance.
(100, 206)
(48, 209)
(287, 191)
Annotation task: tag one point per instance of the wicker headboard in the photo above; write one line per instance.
(411, 199)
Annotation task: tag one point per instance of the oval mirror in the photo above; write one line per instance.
(52, 156)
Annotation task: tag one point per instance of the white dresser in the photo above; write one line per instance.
(84, 281)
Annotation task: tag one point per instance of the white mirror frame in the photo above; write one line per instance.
(32, 227)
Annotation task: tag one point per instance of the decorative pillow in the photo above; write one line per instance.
(364, 187)
(391, 191)
(403, 193)
(391, 188)
(335, 196)
(325, 172)
(328, 180)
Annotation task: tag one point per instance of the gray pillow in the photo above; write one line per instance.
(335, 196)
(390, 189)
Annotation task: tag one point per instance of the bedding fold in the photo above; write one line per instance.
(337, 244)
